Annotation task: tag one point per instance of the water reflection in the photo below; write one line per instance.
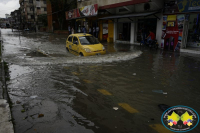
(65, 88)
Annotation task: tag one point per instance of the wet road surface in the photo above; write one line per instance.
(53, 91)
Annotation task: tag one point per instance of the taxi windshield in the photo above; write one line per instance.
(88, 40)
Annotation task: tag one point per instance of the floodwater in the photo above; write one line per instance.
(53, 91)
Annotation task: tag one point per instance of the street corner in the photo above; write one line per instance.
(6, 125)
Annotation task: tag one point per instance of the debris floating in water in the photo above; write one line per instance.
(17, 102)
(33, 96)
(158, 91)
(134, 74)
(115, 108)
(40, 115)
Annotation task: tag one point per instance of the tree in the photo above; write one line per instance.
(59, 7)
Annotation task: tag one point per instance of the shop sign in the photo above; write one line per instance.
(71, 14)
(90, 10)
(171, 18)
(182, 6)
(172, 32)
(170, 24)
(188, 5)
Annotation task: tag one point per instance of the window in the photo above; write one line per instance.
(70, 39)
(38, 8)
(45, 9)
(31, 8)
(88, 40)
(75, 40)
(45, 2)
(30, 1)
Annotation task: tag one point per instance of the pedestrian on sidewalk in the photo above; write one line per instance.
(69, 29)
(84, 29)
(90, 30)
(97, 31)
(94, 31)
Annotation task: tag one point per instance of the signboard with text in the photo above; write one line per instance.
(91, 10)
(182, 6)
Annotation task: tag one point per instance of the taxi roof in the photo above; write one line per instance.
(80, 34)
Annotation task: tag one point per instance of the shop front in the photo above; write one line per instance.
(181, 21)
(128, 27)
(84, 19)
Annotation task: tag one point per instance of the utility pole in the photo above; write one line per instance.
(34, 16)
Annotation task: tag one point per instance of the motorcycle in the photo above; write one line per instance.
(151, 44)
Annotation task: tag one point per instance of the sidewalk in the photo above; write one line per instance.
(191, 50)
(6, 125)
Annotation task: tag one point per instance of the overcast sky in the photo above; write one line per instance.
(7, 6)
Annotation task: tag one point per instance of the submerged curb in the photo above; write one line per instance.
(6, 125)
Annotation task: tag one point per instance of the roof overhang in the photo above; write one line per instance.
(131, 2)
(131, 15)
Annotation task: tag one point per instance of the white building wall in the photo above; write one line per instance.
(132, 36)
(115, 31)
(159, 28)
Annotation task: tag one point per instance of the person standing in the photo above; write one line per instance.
(69, 29)
(72, 30)
(97, 31)
(94, 31)
(90, 30)
(84, 29)
(79, 29)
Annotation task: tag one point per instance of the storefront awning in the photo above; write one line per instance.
(131, 15)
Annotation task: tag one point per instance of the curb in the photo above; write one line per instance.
(6, 125)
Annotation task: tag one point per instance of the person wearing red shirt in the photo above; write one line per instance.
(151, 36)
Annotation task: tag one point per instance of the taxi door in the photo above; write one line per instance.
(75, 45)
(69, 42)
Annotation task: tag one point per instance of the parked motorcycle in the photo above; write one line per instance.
(151, 44)
(154, 44)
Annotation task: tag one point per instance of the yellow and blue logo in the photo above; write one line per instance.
(180, 119)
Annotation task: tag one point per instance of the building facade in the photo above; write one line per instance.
(121, 20)
(30, 12)
(16, 19)
(4, 22)
(181, 25)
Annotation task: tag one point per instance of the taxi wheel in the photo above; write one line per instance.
(81, 54)
(67, 49)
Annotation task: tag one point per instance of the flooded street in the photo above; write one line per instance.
(53, 91)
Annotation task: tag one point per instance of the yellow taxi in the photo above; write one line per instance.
(84, 45)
